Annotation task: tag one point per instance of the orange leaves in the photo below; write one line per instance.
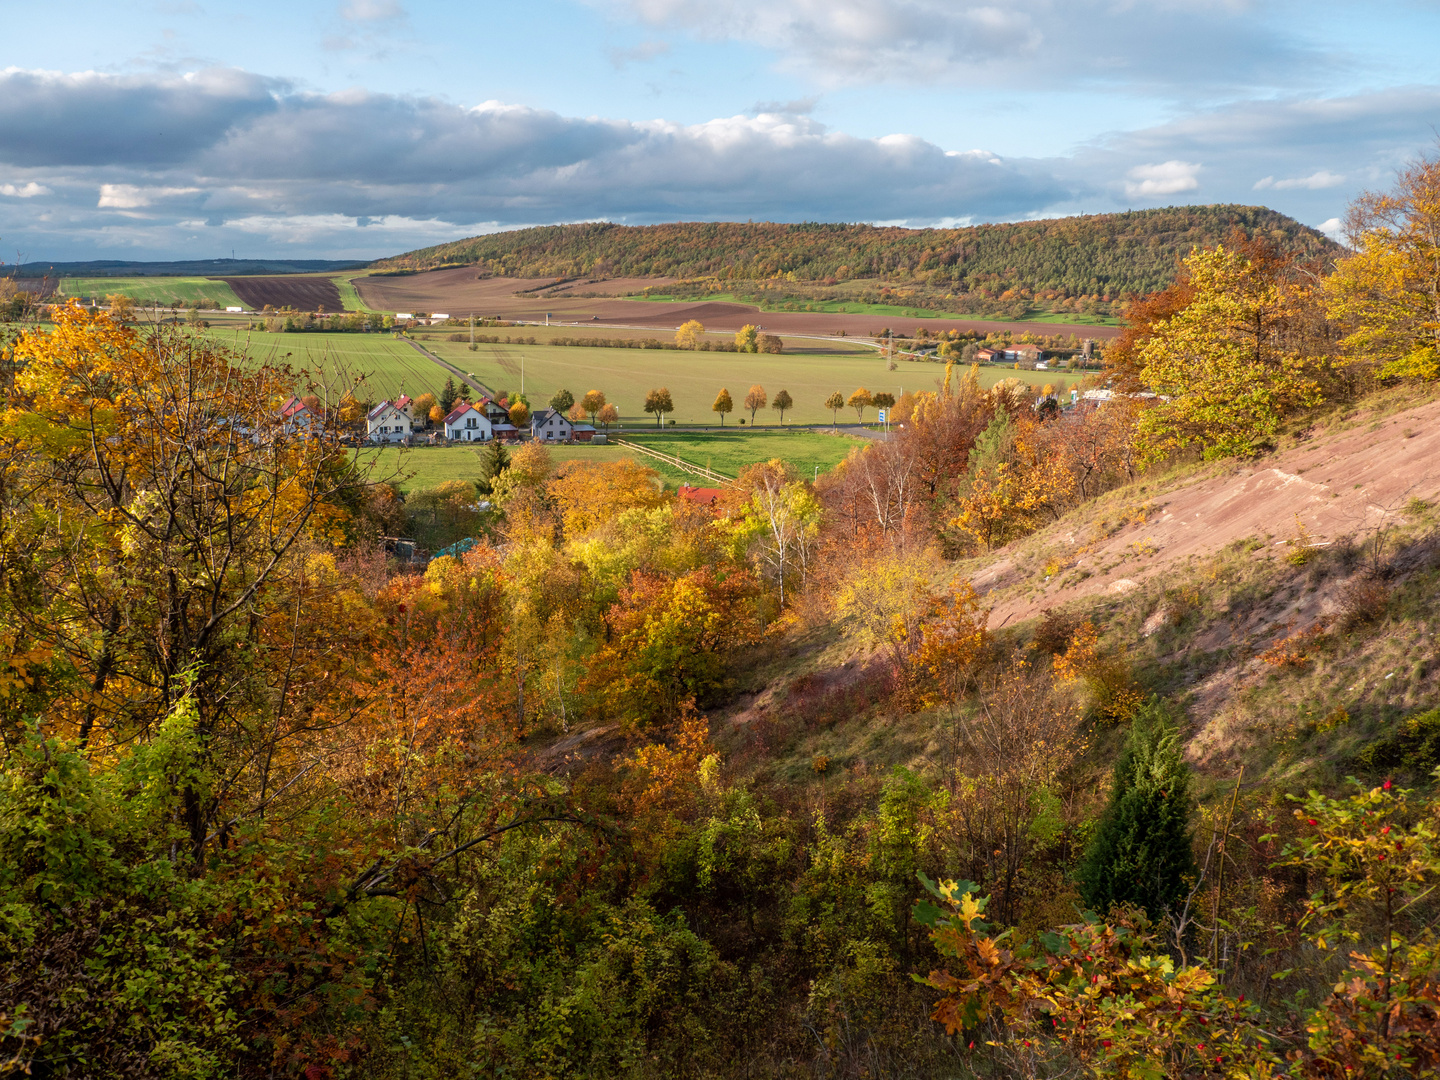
(590, 494)
(953, 640)
(667, 779)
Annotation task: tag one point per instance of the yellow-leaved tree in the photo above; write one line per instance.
(1386, 296)
(1240, 356)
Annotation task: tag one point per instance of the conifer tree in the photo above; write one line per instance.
(447, 396)
(1141, 853)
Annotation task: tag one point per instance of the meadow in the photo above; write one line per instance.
(695, 378)
(389, 366)
(148, 291)
(810, 452)
(430, 466)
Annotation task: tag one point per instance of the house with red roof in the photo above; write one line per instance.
(465, 423)
(390, 421)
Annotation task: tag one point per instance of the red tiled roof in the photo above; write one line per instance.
(457, 412)
(293, 406)
(703, 496)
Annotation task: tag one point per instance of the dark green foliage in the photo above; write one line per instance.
(494, 460)
(1415, 746)
(1141, 853)
(1135, 252)
(562, 401)
(447, 396)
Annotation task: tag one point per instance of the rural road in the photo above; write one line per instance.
(474, 384)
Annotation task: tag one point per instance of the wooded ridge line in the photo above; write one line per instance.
(1135, 252)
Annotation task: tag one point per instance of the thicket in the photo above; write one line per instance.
(275, 804)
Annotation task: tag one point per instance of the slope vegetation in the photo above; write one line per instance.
(1112, 254)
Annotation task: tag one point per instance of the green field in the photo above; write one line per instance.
(809, 452)
(148, 291)
(695, 378)
(349, 295)
(389, 365)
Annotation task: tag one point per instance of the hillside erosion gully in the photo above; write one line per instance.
(1342, 484)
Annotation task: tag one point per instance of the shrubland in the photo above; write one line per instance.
(632, 786)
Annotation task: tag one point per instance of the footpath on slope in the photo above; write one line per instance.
(1341, 484)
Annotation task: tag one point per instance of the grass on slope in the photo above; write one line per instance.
(148, 291)
(695, 378)
(430, 466)
(349, 295)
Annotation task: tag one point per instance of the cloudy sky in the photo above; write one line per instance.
(358, 128)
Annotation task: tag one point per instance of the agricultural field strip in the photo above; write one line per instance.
(149, 291)
(678, 462)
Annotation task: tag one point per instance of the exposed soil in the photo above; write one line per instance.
(1341, 485)
(303, 292)
(461, 292)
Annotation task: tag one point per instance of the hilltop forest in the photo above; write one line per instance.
(1108, 256)
(642, 787)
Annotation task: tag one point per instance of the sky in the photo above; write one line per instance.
(188, 129)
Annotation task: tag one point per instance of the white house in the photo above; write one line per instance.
(235, 310)
(468, 424)
(295, 415)
(550, 425)
(389, 422)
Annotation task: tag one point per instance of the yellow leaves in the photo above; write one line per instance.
(882, 598)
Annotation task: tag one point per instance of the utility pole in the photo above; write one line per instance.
(472, 331)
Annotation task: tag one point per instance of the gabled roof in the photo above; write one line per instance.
(402, 401)
(457, 412)
(703, 496)
(292, 407)
(377, 410)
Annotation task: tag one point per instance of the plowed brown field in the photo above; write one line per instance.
(303, 292)
(460, 292)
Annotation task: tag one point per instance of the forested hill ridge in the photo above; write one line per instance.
(1133, 253)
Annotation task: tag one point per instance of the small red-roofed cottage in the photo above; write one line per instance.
(389, 422)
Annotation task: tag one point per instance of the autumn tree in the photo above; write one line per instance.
(608, 414)
(520, 414)
(576, 414)
(1386, 296)
(782, 401)
(1234, 361)
(421, 408)
(592, 403)
(860, 400)
(883, 400)
(755, 400)
(658, 401)
(178, 498)
(122, 308)
(723, 404)
(769, 343)
(835, 402)
(690, 334)
(747, 339)
(780, 521)
(562, 400)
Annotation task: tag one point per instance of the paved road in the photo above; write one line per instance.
(475, 384)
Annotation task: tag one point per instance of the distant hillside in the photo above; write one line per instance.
(1109, 255)
(190, 268)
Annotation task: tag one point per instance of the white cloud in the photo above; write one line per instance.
(1026, 43)
(24, 191)
(132, 197)
(1167, 178)
(1314, 182)
(1332, 228)
(371, 10)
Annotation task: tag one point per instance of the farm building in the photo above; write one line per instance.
(987, 356)
(498, 414)
(389, 422)
(468, 424)
(550, 425)
(507, 432)
(705, 496)
(586, 433)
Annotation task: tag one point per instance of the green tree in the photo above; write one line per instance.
(447, 396)
(562, 401)
(658, 401)
(1141, 852)
(747, 339)
(782, 401)
(494, 460)
(723, 404)
(835, 402)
